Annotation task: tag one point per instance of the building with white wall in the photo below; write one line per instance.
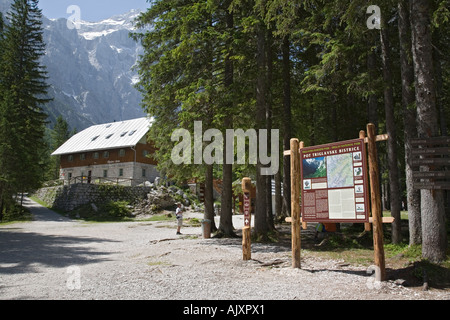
(117, 152)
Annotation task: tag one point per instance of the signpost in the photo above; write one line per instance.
(428, 157)
(246, 231)
(296, 146)
(247, 210)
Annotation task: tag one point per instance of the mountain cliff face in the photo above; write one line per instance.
(90, 70)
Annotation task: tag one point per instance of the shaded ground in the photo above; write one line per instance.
(43, 259)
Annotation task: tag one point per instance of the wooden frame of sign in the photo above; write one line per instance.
(354, 148)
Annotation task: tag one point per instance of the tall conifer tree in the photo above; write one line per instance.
(434, 238)
(23, 87)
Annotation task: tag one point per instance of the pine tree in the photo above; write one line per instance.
(23, 87)
(434, 238)
(58, 135)
(389, 106)
(409, 115)
(186, 76)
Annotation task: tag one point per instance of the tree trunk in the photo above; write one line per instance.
(226, 217)
(1, 206)
(209, 197)
(434, 238)
(261, 226)
(270, 219)
(409, 120)
(389, 103)
(287, 134)
(372, 107)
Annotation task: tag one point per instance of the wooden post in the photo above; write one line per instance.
(246, 231)
(362, 135)
(376, 204)
(295, 202)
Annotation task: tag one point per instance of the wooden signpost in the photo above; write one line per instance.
(376, 204)
(246, 231)
(429, 156)
(357, 183)
(295, 201)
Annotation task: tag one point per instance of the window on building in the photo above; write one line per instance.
(83, 156)
(144, 173)
(122, 153)
(70, 158)
(105, 173)
(96, 155)
(105, 154)
(121, 172)
(145, 153)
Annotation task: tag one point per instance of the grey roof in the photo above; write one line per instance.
(106, 136)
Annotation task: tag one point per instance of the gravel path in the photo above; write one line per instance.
(57, 258)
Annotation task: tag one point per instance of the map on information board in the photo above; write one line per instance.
(334, 182)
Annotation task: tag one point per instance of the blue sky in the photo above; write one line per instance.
(91, 10)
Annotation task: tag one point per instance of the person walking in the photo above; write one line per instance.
(179, 215)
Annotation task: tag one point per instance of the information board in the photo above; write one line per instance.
(334, 182)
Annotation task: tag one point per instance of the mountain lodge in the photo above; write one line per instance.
(117, 152)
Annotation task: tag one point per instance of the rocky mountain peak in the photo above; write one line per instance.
(90, 70)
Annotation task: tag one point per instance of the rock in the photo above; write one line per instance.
(148, 184)
(160, 199)
(401, 282)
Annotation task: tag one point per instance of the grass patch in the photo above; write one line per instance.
(403, 214)
(112, 211)
(192, 222)
(402, 250)
(403, 261)
(160, 217)
(16, 214)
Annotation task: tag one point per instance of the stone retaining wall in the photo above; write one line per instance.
(68, 198)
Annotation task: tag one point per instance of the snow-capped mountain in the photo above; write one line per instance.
(90, 70)
(314, 167)
(92, 30)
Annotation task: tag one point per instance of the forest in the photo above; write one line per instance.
(319, 71)
(315, 70)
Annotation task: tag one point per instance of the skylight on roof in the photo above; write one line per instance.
(95, 138)
(124, 134)
(109, 136)
(132, 132)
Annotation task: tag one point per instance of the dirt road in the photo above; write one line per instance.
(53, 257)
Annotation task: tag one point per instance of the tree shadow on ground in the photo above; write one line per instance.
(22, 252)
